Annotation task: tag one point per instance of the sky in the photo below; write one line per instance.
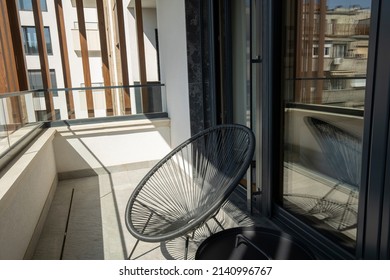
(347, 3)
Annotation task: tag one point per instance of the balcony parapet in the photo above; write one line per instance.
(70, 151)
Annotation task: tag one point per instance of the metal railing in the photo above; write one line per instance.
(23, 114)
(343, 92)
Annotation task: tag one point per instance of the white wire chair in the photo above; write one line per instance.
(189, 185)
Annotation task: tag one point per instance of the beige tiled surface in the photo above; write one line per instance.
(93, 216)
(329, 200)
(96, 228)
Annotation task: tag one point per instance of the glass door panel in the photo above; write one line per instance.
(245, 69)
(324, 79)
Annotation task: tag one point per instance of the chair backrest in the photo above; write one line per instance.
(342, 150)
(190, 184)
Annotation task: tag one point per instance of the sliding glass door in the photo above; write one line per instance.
(324, 66)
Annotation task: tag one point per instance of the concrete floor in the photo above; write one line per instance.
(86, 221)
(86, 218)
(328, 200)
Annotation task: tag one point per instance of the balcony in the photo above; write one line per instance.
(64, 190)
(93, 39)
(86, 3)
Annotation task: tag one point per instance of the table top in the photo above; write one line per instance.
(252, 243)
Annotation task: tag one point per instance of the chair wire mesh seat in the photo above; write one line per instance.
(189, 185)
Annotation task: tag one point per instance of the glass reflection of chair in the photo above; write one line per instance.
(343, 153)
(187, 188)
(342, 150)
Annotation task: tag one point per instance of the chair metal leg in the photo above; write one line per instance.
(132, 251)
(218, 223)
(208, 228)
(136, 243)
(186, 248)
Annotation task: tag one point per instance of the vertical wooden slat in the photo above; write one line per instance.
(64, 57)
(12, 70)
(105, 59)
(4, 87)
(3, 42)
(17, 43)
(84, 56)
(19, 63)
(43, 58)
(321, 52)
(141, 54)
(309, 54)
(8, 50)
(298, 52)
(3, 76)
(123, 54)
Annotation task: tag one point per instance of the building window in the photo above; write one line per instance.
(31, 42)
(326, 50)
(315, 51)
(35, 80)
(338, 84)
(339, 51)
(26, 5)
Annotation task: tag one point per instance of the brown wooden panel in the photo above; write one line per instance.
(43, 58)
(105, 58)
(19, 63)
(8, 50)
(141, 55)
(3, 71)
(321, 52)
(9, 67)
(123, 54)
(84, 56)
(309, 55)
(3, 77)
(64, 57)
(298, 52)
(17, 43)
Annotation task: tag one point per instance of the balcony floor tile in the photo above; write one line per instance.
(86, 221)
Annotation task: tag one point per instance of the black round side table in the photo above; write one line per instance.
(252, 243)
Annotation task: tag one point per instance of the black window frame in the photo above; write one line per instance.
(53, 79)
(22, 6)
(29, 50)
(373, 239)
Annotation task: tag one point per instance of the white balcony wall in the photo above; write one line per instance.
(28, 186)
(87, 150)
(173, 62)
(26, 189)
(92, 38)
(86, 3)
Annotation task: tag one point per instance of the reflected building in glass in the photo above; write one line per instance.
(325, 65)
